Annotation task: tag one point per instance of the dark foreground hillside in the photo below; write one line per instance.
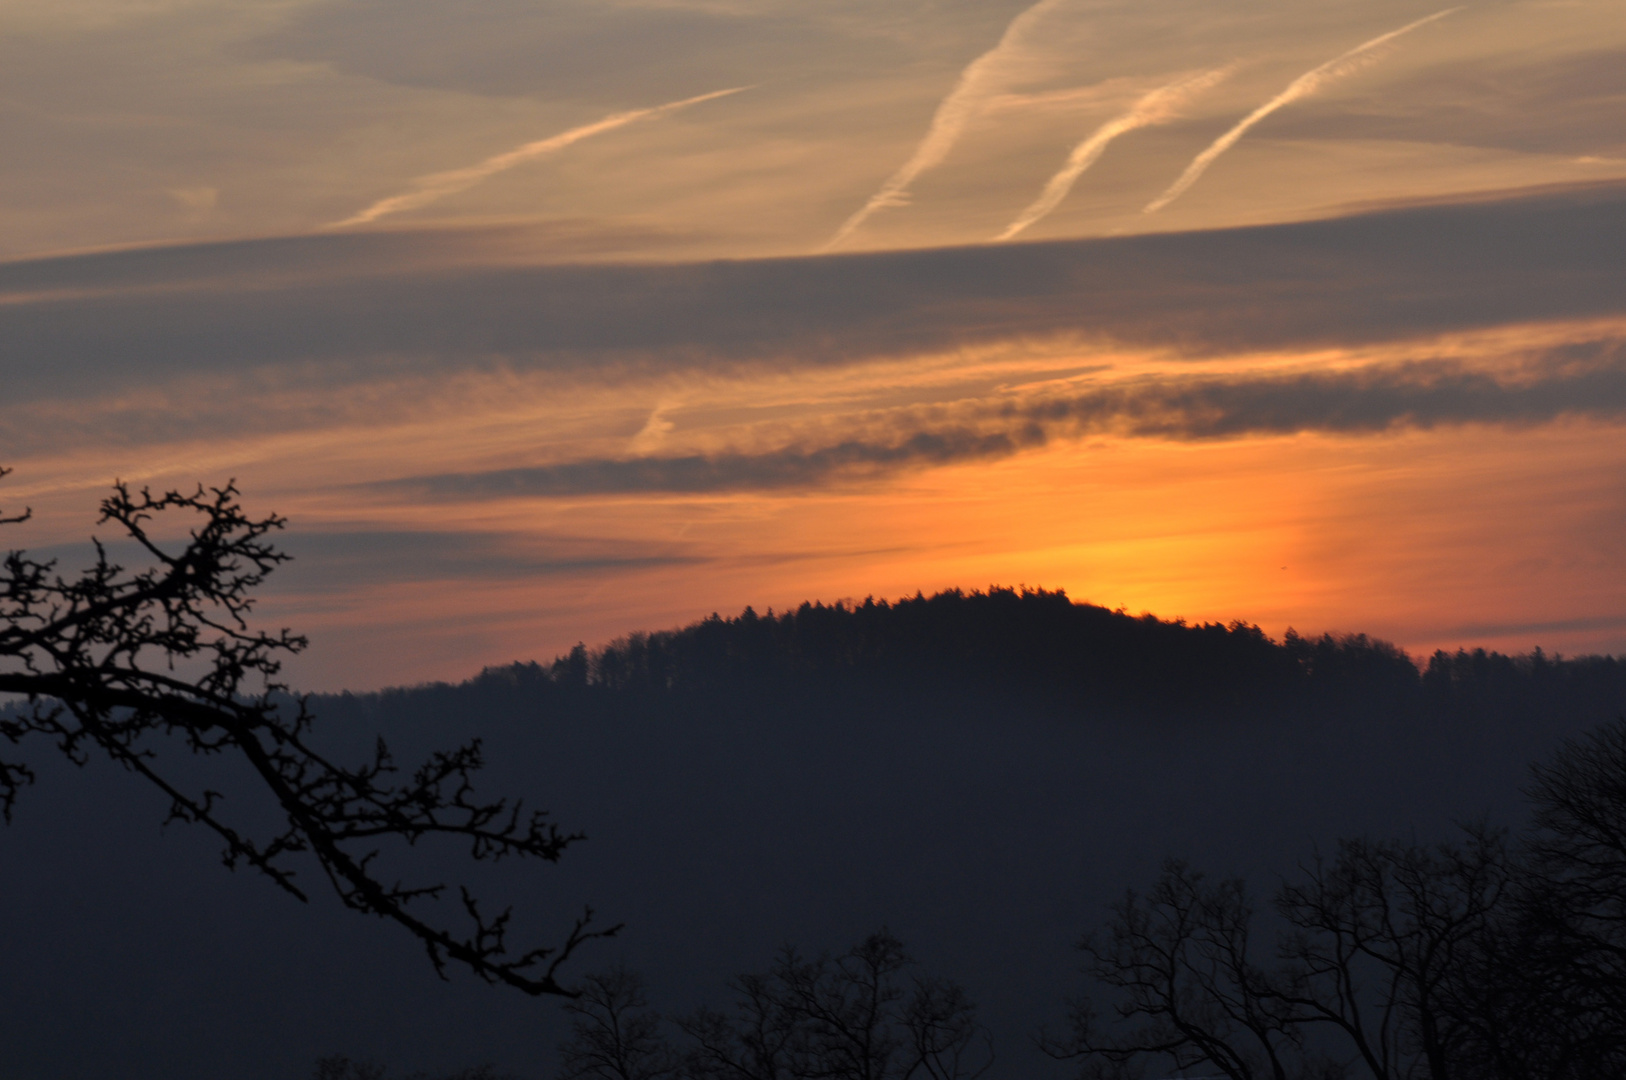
(980, 773)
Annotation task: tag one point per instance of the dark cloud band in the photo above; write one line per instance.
(426, 304)
(1587, 380)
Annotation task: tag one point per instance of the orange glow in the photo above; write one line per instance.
(1431, 539)
(1436, 489)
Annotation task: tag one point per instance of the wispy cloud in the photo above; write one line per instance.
(1069, 97)
(1301, 87)
(655, 429)
(435, 186)
(978, 83)
(1586, 379)
(791, 467)
(1157, 107)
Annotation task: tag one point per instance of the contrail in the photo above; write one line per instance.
(1303, 86)
(953, 113)
(1157, 107)
(439, 185)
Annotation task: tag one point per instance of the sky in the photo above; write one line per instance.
(545, 322)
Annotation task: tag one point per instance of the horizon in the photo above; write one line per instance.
(1418, 661)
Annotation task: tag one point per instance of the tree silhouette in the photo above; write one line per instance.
(1562, 964)
(846, 1017)
(1187, 987)
(615, 1035)
(100, 661)
(1469, 959)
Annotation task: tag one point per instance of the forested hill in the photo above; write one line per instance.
(983, 774)
(1040, 648)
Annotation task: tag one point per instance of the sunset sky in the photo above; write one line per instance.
(550, 320)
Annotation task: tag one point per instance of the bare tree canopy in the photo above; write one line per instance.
(1480, 958)
(847, 1017)
(98, 660)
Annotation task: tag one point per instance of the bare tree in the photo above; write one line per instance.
(614, 1034)
(1565, 964)
(1473, 960)
(1187, 989)
(340, 1067)
(1386, 942)
(946, 1042)
(846, 1017)
(1580, 801)
(1379, 970)
(758, 1042)
(98, 658)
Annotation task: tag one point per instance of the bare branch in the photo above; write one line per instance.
(96, 656)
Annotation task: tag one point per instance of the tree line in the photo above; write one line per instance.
(1038, 648)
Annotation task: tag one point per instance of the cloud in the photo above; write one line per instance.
(655, 429)
(1067, 98)
(237, 266)
(586, 51)
(426, 304)
(704, 474)
(1580, 379)
(1479, 631)
(1584, 379)
(1526, 104)
(437, 186)
(1301, 87)
(341, 560)
(197, 201)
(1158, 107)
(976, 85)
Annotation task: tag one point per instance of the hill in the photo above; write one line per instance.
(981, 772)
(1039, 650)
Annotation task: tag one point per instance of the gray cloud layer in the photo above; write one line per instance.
(337, 307)
(342, 560)
(1584, 379)
(696, 473)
